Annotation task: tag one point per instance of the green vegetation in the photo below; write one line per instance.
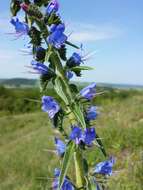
(25, 137)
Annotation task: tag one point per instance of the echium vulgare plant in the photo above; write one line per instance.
(48, 44)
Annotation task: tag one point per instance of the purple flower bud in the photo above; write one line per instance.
(60, 146)
(24, 6)
(91, 113)
(57, 38)
(89, 92)
(105, 167)
(40, 68)
(67, 185)
(52, 7)
(50, 106)
(21, 28)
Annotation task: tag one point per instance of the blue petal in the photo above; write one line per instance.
(91, 113)
(89, 92)
(67, 185)
(69, 75)
(105, 167)
(89, 136)
(60, 146)
(20, 27)
(76, 58)
(57, 38)
(50, 106)
(52, 7)
(40, 67)
(76, 134)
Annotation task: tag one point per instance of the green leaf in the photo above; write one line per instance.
(79, 115)
(81, 68)
(58, 86)
(101, 145)
(66, 161)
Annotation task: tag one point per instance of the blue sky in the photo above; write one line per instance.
(111, 28)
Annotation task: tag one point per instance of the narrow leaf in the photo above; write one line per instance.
(80, 68)
(79, 115)
(66, 161)
(59, 89)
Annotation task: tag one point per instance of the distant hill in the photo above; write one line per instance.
(18, 82)
(23, 82)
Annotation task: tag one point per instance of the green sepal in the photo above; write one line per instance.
(66, 161)
(34, 11)
(91, 183)
(52, 19)
(74, 88)
(44, 80)
(58, 119)
(35, 36)
(41, 2)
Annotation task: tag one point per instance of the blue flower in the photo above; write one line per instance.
(105, 167)
(75, 60)
(89, 92)
(87, 137)
(57, 37)
(60, 146)
(91, 113)
(52, 7)
(40, 68)
(67, 185)
(76, 134)
(50, 106)
(69, 74)
(21, 28)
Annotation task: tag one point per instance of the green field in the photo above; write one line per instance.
(26, 134)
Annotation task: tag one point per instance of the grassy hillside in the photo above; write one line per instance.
(25, 165)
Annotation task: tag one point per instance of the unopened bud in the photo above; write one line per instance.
(24, 6)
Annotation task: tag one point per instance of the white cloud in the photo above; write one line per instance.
(91, 33)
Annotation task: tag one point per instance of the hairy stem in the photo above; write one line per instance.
(80, 180)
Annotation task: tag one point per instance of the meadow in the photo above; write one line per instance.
(26, 138)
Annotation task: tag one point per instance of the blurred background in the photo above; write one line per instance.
(112, 32)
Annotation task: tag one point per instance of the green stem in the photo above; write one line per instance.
(79, 169)
(73, 117)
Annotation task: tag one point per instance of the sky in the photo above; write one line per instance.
(112, 29)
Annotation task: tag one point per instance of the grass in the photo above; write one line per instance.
(24, 138)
